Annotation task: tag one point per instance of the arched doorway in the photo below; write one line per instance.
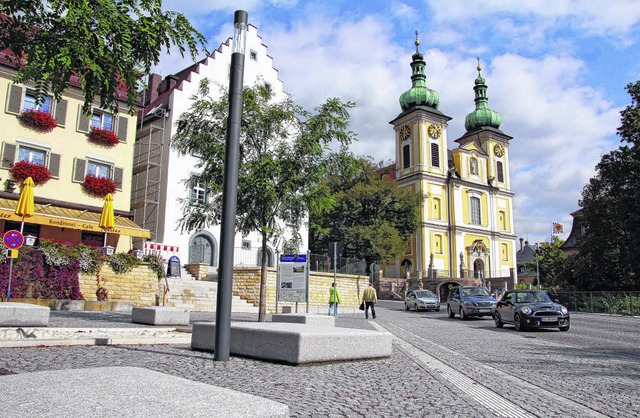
(202, 249)
(478, 269)
(269, 257)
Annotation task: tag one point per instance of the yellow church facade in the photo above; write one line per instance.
(466, 233)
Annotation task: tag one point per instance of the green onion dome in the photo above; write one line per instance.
(419, 94)
(482, 116)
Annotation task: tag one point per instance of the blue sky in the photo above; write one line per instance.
(556, 72)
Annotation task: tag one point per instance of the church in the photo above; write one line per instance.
(466, 231)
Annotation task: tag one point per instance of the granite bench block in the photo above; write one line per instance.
(125, 392)
(309, 319)
(295, 343)
(23, 315)
(160, 315)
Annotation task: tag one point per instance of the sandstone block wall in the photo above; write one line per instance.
(139, 286)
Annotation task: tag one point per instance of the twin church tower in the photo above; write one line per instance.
(466, 227)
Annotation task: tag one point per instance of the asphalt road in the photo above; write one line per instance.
(439, 367)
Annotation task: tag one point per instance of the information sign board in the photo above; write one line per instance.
(293, 278)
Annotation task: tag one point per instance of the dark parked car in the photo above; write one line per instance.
(421, 299)
(469, 301)
(527, 309)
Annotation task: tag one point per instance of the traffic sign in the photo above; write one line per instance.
(13, 239)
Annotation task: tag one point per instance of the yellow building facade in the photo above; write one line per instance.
(466, 231)
(64, 209)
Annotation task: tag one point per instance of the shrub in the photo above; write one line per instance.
(123, 262)
(104, 137)
(38, 120)
(98, 186)
(155, 264)
(20, 170)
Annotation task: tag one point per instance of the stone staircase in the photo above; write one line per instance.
(199, 295)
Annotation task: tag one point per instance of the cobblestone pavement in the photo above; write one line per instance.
(543, 373)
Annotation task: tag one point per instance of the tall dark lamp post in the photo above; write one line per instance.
(230, 190)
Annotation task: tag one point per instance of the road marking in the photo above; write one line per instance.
(481, 394)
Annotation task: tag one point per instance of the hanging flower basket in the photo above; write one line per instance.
(20, 170)
(104, 137)
(38, 120)
(98, 186)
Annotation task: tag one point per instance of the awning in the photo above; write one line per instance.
(50, 215)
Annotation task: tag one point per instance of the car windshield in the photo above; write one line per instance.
(474, 291)
(425, 294)
(532, 297)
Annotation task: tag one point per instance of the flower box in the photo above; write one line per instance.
(20, 170)
(38, 120)
(104, 137)
(98, 186)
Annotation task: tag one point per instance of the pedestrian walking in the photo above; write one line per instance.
(334, 299)
(369, 298)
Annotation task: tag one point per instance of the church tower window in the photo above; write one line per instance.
(435, 155)
(500, 172)
(406, 156)
(473, 166)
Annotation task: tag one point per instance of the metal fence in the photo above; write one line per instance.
(345, 265)
(618, 303)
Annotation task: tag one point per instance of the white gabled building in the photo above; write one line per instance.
(162, 177)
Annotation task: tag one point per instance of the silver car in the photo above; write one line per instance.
(421, 299)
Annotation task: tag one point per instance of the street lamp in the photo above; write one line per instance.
(230, 190)
(537, 266)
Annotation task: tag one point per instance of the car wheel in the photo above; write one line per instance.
(450, 312)
(497, 320)
(564, 328)
(437, 309)
(417, 308)
(463, 315)
(406, 307)
(517, 321)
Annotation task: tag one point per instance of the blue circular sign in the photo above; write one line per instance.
(13, 239)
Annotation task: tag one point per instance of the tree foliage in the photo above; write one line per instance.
(608, 249)
(550, 262)
(282, 163)
(107, 44)
(372, 216)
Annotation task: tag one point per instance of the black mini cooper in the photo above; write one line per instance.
(527, 309)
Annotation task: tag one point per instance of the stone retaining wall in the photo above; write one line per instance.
(139, 286)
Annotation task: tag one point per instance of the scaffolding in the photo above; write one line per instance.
(147, 172)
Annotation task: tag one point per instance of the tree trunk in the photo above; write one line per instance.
(262, 309)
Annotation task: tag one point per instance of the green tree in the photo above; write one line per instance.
(608, 249)
(372, 216)
(107, 44)
(550, 262)
(282, 163)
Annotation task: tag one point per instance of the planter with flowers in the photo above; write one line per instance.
(38, 120)
(104, 137)
(20, 170)
(98, 186)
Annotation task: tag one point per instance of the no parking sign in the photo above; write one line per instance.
(13, 239)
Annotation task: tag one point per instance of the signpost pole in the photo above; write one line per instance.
(9, 286)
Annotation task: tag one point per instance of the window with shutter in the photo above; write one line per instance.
(54, 165)
(123, 123)
(435, 155)
(118, 177)
(61, 112)
(83, 121)
(14, 101)
(8, 155)
(79, 167)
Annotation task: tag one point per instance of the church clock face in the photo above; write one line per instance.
(498, 150)
(405, 132)
(435, 131)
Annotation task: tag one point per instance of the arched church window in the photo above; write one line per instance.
(406, 156)
(474, 210)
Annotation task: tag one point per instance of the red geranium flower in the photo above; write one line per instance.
(38, 120)
(103, 137)
(98, 186)
(20, 170)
